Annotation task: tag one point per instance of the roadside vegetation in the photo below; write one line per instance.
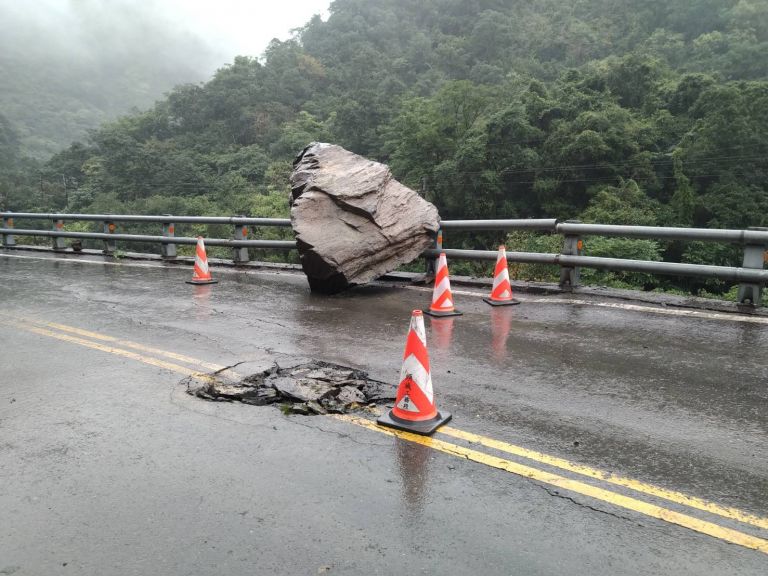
(611, 111)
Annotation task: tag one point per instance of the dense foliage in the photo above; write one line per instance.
(613, 111)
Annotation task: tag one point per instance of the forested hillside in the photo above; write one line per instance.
(617, 111)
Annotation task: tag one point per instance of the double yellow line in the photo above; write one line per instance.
(595, 489)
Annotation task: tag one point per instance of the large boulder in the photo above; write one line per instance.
(353, 221)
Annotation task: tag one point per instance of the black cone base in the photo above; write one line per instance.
(199, 282)
(425, 427)
(434, 314)
(501, 302)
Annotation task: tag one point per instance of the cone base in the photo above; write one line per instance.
(501, 302)
(434, 314)
(424, 427)
(198, 282)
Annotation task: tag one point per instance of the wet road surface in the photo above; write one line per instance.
(107, 466)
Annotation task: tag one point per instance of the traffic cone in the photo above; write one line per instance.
(201, 275)
(414, 409)
(501, 293)
(442, 299)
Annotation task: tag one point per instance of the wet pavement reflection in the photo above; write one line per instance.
(501, 324)
(413, 466)
(442, 332)
(201, 299)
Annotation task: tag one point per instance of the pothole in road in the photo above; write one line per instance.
(314, 387)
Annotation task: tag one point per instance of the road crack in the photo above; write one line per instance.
(337, 433)
(558, 494)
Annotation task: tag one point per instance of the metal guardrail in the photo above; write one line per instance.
(235, 220)
(618, 264)
(751, 275)
(274, 244)
(664, 233)
(547, 224)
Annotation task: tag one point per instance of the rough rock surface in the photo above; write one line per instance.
(353, 221)
(314, 387)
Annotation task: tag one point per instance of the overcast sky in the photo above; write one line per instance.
(228, 27)
(242, 26)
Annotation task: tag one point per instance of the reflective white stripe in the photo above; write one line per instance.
(417, 325)
(445, 284)
(412, 366)
(497, 280)
(427, 389)
(419, 375)
(424, 382)
(201, 262)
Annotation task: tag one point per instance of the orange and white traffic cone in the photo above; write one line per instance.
(414, 409)
(201, 275)
(501, 293)
(442, 299)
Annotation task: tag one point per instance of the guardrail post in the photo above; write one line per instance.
(755, 256)
(573, 245)
(240, 254)
(57, 242)
(168, 251)
(8, 239)
(431, 263)
(110, 246)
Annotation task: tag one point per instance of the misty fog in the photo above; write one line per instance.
(67, 66)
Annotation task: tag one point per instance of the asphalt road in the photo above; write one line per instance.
(589, 436)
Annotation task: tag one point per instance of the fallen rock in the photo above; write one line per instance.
(352, 220)
(313, 387)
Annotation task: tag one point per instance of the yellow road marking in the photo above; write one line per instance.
(126, 343)
(671, 516)
(650, 489)
(652, 510)
(130, 344)
(112, 350)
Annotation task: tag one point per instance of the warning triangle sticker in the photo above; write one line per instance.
(407, 404)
